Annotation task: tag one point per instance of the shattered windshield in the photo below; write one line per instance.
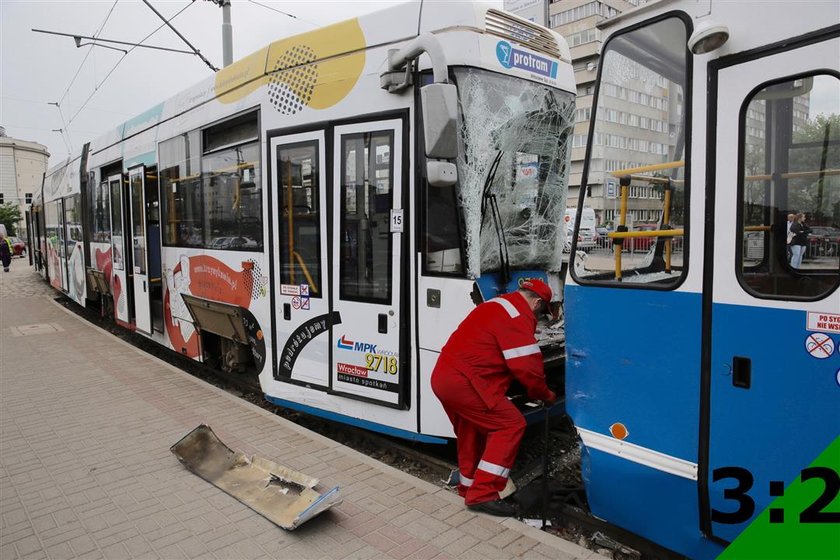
(513, 169)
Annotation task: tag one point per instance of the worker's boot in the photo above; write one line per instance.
(496, 507)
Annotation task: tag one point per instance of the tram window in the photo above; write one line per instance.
(300, 216)
(442, 231)
(230, 170)
(138, 222)
(181, 190)
(211, 195)
(232, 198)
(366, 202)
(790, 166)
(101, 214)
(640, 133)
(55, 237)
(116, 224)
(73, 220)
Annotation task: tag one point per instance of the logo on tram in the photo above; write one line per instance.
(345, 344)
(511, 57)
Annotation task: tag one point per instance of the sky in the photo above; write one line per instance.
(97, 88)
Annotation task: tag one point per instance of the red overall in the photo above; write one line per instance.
(491, 347)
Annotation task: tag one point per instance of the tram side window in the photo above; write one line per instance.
(116, 223)
(366, 201)
(101, 209)
(230, 171)
(300, 221)
(442, 231)
(640, 134)
(210, 187)
(180, 184)
(789, 222)
(55, 237)
(73, 221)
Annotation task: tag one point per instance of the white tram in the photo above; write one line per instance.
(324, 212)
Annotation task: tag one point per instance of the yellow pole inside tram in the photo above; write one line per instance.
(290, 208)
(666, 219)
(622, 223)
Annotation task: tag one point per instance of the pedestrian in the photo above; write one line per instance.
(6, 250)
(788, 236)
(494, 345)
(799, 240)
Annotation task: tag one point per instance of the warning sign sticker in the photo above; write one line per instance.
(819, 345)
(823, 322)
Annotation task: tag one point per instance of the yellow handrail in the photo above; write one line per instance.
(757, 228)
(648, 168)
(312, 287)
(794, 175)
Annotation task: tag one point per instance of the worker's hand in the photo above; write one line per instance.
(551, 399)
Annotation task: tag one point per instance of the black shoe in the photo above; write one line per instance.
(496, 507)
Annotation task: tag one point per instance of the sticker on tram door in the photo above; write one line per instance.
(819, 345)
(802, 520)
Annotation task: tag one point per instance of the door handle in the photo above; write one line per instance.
(287, 311)
(383, 323)
(741, 372)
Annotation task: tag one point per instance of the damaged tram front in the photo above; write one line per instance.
(494, 216)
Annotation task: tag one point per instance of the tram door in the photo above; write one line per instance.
(140, 265)
(300, 252)
(119, 256)
(367, 230)
(775, 325)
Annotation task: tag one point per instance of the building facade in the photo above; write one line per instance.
(22, 168)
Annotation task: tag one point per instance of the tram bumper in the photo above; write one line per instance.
(281, 495)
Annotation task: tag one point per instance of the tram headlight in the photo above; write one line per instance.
(708, 36)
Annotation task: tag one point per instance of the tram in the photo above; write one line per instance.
(323, 213)
(711, 376)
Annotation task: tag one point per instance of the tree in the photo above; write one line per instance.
(10, 216)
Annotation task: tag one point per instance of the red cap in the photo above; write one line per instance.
(538, 287)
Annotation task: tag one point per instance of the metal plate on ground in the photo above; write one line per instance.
(281, 495)
(40, 328)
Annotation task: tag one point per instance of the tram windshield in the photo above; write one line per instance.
(512, 168)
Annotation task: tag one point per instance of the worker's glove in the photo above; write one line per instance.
(551, 399)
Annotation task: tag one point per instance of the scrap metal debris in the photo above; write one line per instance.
(280, 494)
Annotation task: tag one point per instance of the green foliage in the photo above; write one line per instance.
(10, 216)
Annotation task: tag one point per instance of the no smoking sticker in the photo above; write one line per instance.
(819, 345)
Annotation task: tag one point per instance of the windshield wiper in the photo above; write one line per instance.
(487, 196)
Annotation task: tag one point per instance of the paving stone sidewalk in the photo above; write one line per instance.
(86, 422)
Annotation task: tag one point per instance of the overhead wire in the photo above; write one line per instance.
(96, 87)
(284, 13)
(98, 31)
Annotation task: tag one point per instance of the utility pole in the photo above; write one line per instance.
(227, 32)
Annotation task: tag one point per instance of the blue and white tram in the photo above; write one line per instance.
(316, 214)
(703, 366)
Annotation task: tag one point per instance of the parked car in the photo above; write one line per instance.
(823, 241)
(587, 239)
(640, 243)
(18, 246)
(603, 237)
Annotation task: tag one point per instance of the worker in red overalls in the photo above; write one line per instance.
(494, 345)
